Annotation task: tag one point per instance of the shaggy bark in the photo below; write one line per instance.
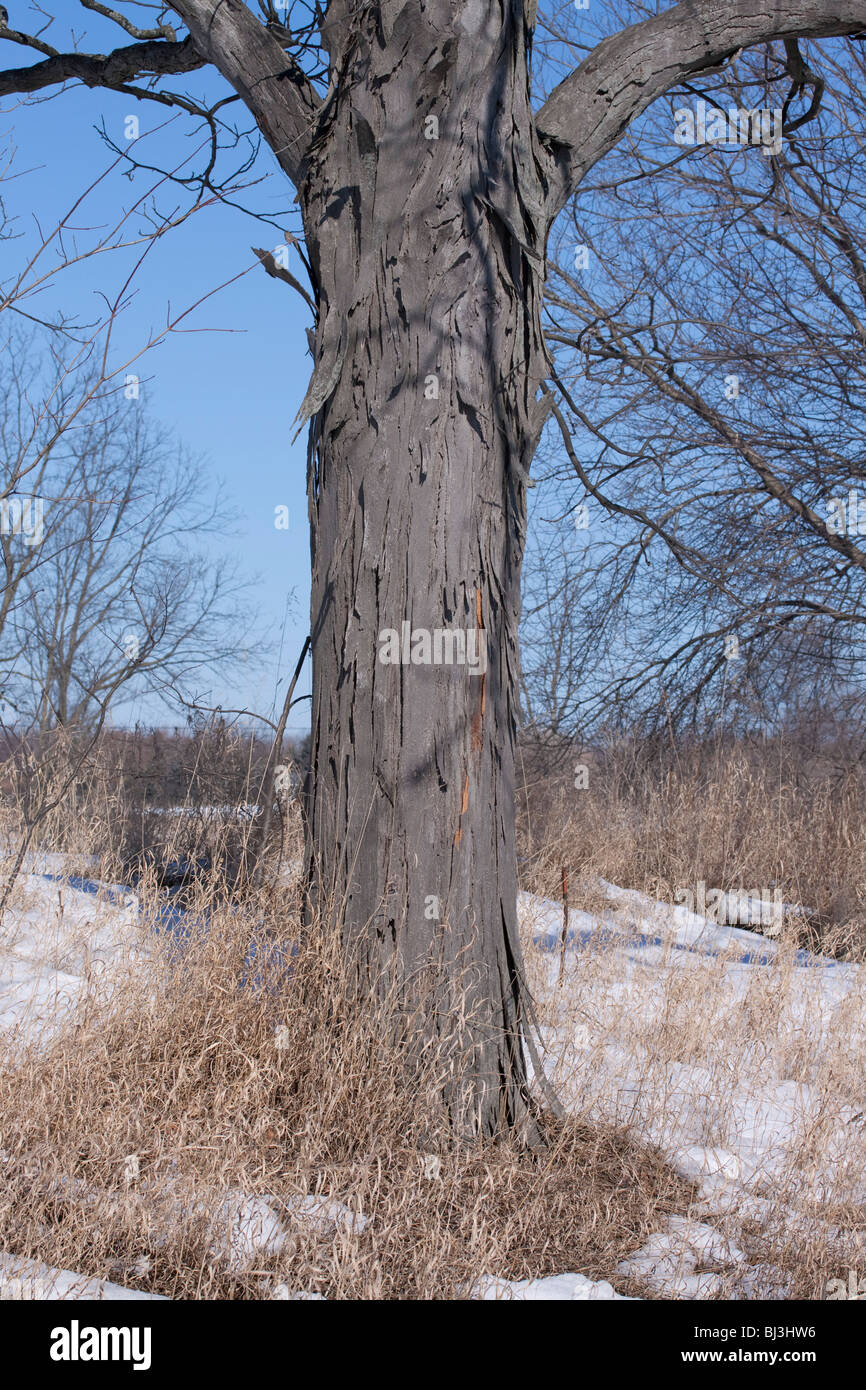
(427, 254)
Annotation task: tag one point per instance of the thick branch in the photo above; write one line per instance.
(222, 32)
(104, 69)
(586, 114)
(269, 81)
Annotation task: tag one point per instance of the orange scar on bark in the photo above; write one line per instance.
(478, 717)
(459, 832)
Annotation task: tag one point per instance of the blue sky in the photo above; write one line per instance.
(230, 394)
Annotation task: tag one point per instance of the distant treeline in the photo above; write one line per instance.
(218, 764)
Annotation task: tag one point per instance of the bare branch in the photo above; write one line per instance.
(160, 31)
(587, 113)
(268, 80)
(123, 65)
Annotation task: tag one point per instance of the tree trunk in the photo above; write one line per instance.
(427, 259)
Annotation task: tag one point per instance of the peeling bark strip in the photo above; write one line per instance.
(478, 718)
(427, 255)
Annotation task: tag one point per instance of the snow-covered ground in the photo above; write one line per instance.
(30, 1279)
(56, 944)
(739, 1057)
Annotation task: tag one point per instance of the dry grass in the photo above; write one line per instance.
(741, 817)
(126, 1132)
(165, 1090)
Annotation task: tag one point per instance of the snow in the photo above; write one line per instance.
(668, 1261)
(256, 1226)
(728, 1050)
(733, 1053)
(557, 1287)
(57, 944)
(22, 1279)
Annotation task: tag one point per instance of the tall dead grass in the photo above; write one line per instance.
(739, 816)
(194, 1076)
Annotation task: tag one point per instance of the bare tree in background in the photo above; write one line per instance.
(102, 594)
(127, 600)
(428, 183)
(77, 459)
(703, 553)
